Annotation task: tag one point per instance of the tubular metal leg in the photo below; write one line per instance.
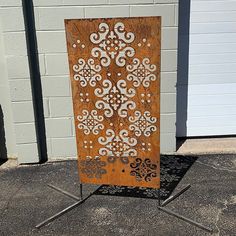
(81, 191)
(62, 212)
(171, 198)
(185, 219)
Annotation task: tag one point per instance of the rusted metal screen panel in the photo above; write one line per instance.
(115, 77)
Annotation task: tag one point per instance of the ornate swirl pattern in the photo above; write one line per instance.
(115, 98)
(117, 146)
(143, 169)
(90, 122)
(87, 72)
(141, 72)
(93, 167)
(112, 44)
(142, 124)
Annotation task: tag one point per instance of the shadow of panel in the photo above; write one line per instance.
(173, 169)
(3, 148)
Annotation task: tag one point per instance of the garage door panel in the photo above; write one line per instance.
(209, 59)
(212, 68)
(209, 79)
(212, 48)
(213, 110)
(217, 121)
(213, 38)
(211, 131)
(208, 17)
(204, 6)
(210, 86)
(208, 28)
(203, 100)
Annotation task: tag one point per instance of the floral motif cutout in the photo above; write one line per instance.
(117, 146)
(142, 124)
(141, 72)
(115, 98)
(143, 169)
(93, 167)
(112, 44)
(90, 122)
(87, 72)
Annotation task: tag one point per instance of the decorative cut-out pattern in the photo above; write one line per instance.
(142, 124)
(143, 169)
(93, 167)
(141, 72)
(87, 72)
(117, 146)
(112, 44)
(115, 98)
(90, 122)
(115, 89)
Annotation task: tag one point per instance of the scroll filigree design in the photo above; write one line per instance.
(141, 72)
(115, 98)
(93, 167)
(112, 44)
(143, 169)
(90, 122)
(117, 146)
(142, 123)
(87, 72)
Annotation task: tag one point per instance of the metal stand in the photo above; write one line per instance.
(170, 212)
(80, 200)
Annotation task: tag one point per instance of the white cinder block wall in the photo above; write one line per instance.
(49, 16)
(11, 17)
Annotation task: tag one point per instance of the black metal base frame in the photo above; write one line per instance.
(161, 206)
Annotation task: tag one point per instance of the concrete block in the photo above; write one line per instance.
(49, 147)
(20, 90)
(168, 103)
(168, 123)
(54, 86)
(42, 65)
(61, 107)
(25, 133)
(17, 67)
(27, 153)
(117, 2)
(166, 11)
(166, 1)
(23, 111)
(64, 147)
(52, 18)
(111, 11)
(15, 43)
(84, 2)
(39, 3)
(56, 64)
(169, 38)
(168, 143)
(68, 2)
(51, 41)
(168, 60)
(176, 14)
(10, 3)
(58, 127)
(168, 82)
(46, 108)
(12, 19)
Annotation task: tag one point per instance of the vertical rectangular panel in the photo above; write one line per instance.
(115, 78)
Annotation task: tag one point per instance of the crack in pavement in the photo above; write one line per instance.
(226, 203)
(216, 168)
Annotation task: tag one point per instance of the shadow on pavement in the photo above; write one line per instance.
(173, 169)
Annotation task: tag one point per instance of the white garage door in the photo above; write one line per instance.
(211, 89)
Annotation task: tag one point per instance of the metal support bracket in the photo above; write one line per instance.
(80, 200)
